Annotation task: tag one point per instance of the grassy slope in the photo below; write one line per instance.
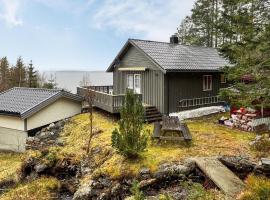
(42, 188)
(9, 164)
(209, 139)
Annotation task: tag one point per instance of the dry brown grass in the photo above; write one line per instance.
(209, 139)
(42, 188)
(9, 164)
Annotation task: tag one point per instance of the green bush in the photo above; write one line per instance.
(130, 139)
(135, 190)
(197, 192)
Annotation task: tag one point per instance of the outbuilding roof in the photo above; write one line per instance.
(176, 57)
(24, 102)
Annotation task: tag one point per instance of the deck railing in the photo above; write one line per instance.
(105, 89)
(198, 102)
(107, 101)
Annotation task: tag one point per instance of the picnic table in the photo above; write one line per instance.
(174, 126)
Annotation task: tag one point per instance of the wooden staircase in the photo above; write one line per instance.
(152, 114)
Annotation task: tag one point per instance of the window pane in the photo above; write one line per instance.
(207, 82)
(137, 81)
(130, 81)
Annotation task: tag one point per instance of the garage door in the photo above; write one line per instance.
(12, 140)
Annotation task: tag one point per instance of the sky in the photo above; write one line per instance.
(82, 34)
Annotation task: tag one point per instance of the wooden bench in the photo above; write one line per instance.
(186, 132)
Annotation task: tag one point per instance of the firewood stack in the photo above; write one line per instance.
(242, 119)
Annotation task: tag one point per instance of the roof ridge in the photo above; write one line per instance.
(44, 89)
(186, 45)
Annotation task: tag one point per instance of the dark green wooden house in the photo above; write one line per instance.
(169, 76)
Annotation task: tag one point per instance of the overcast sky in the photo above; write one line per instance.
(82, 34)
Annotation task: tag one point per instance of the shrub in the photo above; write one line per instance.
(262, 144)
(135, 190)
(197, 192)
(130, 139)
(258, 188)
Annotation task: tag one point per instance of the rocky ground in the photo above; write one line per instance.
(58, 151)
(47, 136)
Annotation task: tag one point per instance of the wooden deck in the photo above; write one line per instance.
(224, 179)
(105, 100)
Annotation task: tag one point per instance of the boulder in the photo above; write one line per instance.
(144, 174)
(147, 183)
(84, 192)
(242, 166)
(167, 171)
(39, 168)
(263, 168)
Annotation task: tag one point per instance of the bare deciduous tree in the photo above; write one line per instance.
(89, 98)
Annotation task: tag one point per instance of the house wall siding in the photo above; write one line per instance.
(189, 85)
(61, 109)
(152, 80)
(11, 122)
(12, 140)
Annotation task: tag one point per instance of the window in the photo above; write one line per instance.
(223, 78)
(130, 81)
(137, 83)
(134, 82)
(207, 82)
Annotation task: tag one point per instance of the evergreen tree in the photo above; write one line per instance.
(241, 31)
(19, 74)
(4, 74)
(130, 139)
(32, 76)
(202, 27)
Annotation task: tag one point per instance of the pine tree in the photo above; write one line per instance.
(202, 27)
(130, 139)
(4, 74)
(32, 76)
(241, 31)
(19, 74)
(249, 50)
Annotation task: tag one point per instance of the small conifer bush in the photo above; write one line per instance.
(130, 139)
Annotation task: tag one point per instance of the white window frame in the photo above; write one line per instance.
(128, 81)
(133, 86)
(207, 82)
(140, 87)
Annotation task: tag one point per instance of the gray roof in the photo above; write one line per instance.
(177, 57)
(24, 102)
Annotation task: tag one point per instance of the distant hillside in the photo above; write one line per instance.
(69, 80)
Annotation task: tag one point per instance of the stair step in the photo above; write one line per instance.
(153, 115)
(149, 108)
(151, 112)
(153, 120)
